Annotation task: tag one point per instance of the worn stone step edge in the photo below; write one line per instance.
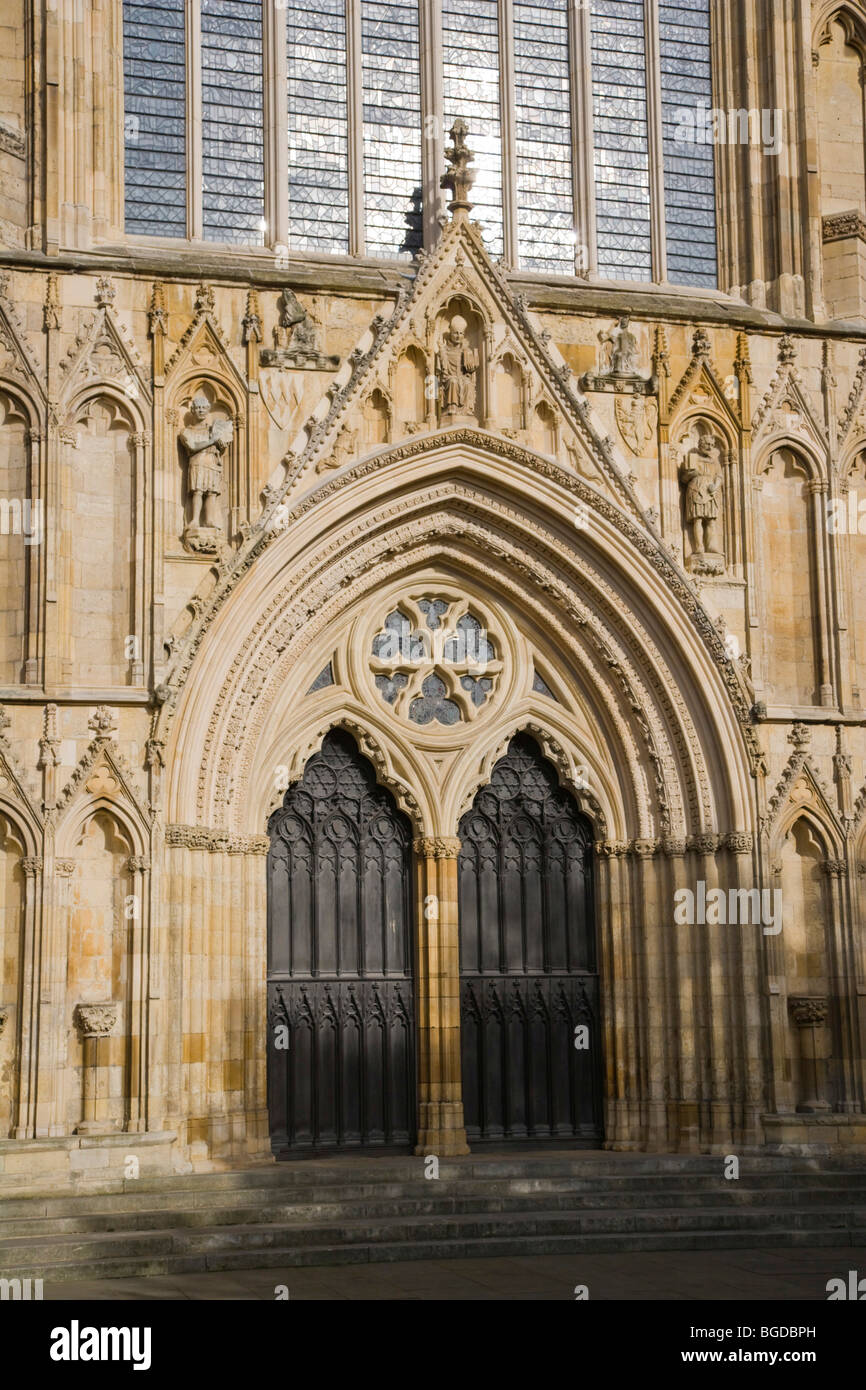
(23, 1253)
(487, 1248)
(369, 1205)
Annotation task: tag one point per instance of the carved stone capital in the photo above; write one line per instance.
(611, 849)
(437, 846)
(644, 849)
(839, 226)
(138, 863)
(673, 847)
(809, 1011)
(96, 1020)
(5, 1011)
(834, 868)
(31, 865)
(738, 841)
(704, 844)
(64, 868)
(214, 841)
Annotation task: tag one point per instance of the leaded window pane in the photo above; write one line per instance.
(470, 77)
(154, 83)
(545, 211)
(318, 135)
(689, 171)
(622, 187)
(392, 127)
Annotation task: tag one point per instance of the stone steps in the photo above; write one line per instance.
(318, 1205)
(329, 1212)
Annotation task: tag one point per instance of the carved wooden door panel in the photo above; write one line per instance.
(341, 1062)
(528, 972)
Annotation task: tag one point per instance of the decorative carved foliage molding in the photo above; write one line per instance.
(214, 841)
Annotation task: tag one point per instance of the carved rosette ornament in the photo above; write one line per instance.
(809, 1014)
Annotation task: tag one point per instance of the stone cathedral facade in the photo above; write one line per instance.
(432, 578)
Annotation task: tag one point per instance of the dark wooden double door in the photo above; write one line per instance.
(341, 1053)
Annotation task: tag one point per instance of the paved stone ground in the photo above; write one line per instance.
(691, 1275)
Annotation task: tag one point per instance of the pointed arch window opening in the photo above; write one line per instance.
(313, 127)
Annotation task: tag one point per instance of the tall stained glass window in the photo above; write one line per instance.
(318, 133)
(620, 130)
(689, 174)
(392, 127)
(233, 188)
(154, 82)
(470, 74)
(545, 208)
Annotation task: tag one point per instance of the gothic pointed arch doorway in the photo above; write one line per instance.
(341, 1057)
(529, 985)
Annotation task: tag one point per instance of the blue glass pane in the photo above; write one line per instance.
(392, 127)
(622, 190)
(318, 134)
(545, 211)
(689, 170)
(154, 84)
(470, 74)
(232, 131)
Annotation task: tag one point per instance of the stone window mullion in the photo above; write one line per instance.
(655, 140)
(276, 126)
(582, 142)
(507, 108)
(355, 88)
(194, 195)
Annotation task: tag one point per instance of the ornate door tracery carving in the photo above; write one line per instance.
(342, 1071)
(528, 958)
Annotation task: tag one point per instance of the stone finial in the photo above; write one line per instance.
(800, 735)
(743, 361)
(459, 178)
(105, 292)
(252, 320)
(157, 316)
(701, 343)
(102, 722)
(51, 308)
(204, 299)
(787, 350)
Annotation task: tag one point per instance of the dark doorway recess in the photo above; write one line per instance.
(341, 1058)
(528, 964)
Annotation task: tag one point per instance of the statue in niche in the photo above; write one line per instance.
(295, 339)
(702, 481)
(205, 445)
(456, 366)
(618, 364)
(620, 349)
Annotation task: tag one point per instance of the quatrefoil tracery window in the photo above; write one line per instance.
(433, 662)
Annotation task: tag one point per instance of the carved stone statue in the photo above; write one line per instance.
(700, 476)
(205, 445)
(295, 339)
(618, 364)
(622, 349)
(456, 367)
